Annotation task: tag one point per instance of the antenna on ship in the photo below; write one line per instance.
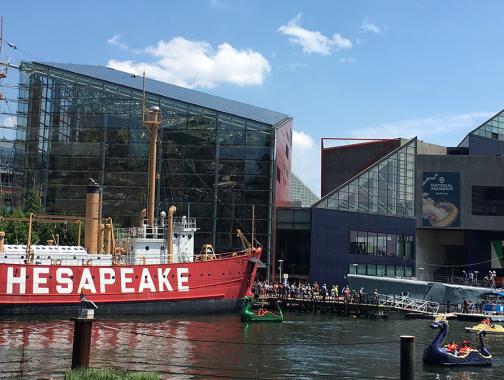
(151, 123)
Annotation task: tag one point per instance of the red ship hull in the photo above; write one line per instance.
(196, 287)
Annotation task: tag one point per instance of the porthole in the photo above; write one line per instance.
(189, 236)
(147, 247)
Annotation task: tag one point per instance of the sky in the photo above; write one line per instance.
(347, 69)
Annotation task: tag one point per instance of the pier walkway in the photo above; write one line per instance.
(369, 306)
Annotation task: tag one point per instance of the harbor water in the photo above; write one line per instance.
(305, 346)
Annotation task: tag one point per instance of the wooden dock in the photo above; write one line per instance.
(369, 306)
(331, 306)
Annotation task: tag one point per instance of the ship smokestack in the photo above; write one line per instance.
(169, 234)
(92, 216)
(2, 236)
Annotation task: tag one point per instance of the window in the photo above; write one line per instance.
(372, 242)
(381, 244)
(371, 270)
(381, 247)
(488, 200)
(390, 271)
(287, 150)
(380, 270)
(352, 268)
(278, 175)
(391, 245)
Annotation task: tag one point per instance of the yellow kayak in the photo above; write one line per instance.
(488, 328)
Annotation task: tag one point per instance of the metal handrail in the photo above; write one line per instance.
(408, 304)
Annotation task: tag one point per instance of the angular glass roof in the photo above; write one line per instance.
(387, 187)
(171, 91)
(493, 128)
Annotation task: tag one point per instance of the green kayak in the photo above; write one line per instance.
(260, 315)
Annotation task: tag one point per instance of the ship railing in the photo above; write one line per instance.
(154, 232)
(178, 222)
(218, 256)
(143, 232)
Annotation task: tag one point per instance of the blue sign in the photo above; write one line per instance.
(441, 199)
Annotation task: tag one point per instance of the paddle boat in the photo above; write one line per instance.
(487, 326)
(259, 315)
(437, 353)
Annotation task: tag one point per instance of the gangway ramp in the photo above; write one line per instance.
(407, 304)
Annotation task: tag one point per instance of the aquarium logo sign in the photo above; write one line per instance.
(441, 199)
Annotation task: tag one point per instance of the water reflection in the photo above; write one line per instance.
(304, 347)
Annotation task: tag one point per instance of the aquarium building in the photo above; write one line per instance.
(409, 209)
(216, 157)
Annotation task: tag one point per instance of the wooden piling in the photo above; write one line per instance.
(407, 357)
(81, 342)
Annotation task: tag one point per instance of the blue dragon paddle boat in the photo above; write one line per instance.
(436, 353)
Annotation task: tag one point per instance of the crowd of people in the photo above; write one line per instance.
(471, 278)
(314, 291)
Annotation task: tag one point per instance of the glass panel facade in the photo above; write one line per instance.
(488, 200)
(211, 165)
(387, 187)
(381, 270)
(492, 128)
(379, 244)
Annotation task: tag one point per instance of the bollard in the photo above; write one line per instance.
(407, 357)
(81, 342)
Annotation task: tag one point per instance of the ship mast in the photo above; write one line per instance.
(151, 122)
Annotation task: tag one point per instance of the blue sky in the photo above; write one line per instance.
(342, 69)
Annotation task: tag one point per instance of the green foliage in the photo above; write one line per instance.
(17, 230)
(108, 374)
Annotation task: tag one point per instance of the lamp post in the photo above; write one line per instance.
(356, 267)
(476, 278)
(280, 265)
(421, 273)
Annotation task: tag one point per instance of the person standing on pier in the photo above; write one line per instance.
(376, 296)
(323, 292)
(335, 292)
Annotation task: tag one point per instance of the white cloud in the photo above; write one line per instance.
(302, 140)
(446, 130)
(196, 64)
(368, 26)
(306, 159)
(346, 60)
(115, 40)
(313, 41)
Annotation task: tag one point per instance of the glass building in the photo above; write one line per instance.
(300, 192)
(367, 224)
(387, 187)
(216, 157)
